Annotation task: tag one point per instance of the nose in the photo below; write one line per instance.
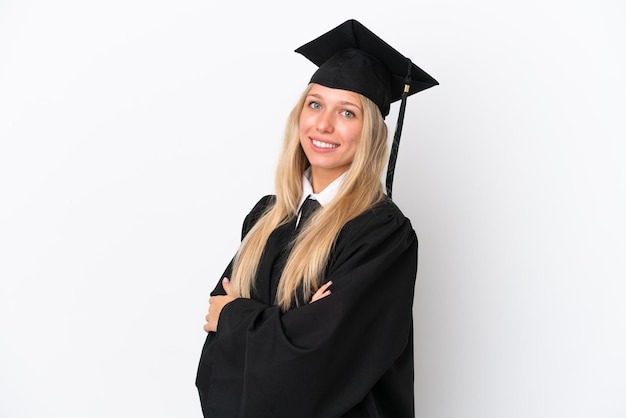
(325, 123)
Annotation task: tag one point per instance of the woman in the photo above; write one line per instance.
(314, 315)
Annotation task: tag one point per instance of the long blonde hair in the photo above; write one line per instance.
(361, 188)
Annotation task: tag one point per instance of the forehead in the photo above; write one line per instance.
(337, 95)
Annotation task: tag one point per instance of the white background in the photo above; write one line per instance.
(135, 135)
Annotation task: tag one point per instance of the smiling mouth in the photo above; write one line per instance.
(321, 144)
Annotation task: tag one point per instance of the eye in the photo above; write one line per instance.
(348, 113)
(314, 105)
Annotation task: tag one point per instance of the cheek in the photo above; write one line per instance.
(353, 136)
(302, 135)
(305, 119)
(303, 139)
(303, 127)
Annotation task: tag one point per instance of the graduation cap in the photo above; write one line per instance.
(351, 57)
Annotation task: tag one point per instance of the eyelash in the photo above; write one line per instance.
(346, 113)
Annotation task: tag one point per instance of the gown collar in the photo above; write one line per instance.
(325, 196)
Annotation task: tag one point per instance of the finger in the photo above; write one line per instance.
(226, 286)
(326, 285)
(322, 292)
(317, 296)
(207, 326)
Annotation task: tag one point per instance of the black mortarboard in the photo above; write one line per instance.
(351, 57)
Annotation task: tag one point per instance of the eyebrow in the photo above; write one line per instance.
(342, 102)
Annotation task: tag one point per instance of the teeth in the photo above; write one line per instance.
(321, 144)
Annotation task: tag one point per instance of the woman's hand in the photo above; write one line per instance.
(322, 292)
(216, 304)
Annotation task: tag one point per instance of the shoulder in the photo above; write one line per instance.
(383, 219)
(259, 209)
(385, 211)
(379, 238)
(262, 205)
(385, 206)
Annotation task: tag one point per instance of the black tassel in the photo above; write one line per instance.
(393, 155)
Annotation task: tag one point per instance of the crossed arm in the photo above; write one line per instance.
(217, 303)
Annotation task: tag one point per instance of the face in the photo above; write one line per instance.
(330, 130)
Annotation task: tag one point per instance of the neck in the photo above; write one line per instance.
(320, 179)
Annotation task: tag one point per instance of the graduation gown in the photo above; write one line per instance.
(349, 354)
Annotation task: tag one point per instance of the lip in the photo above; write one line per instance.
(317, 148)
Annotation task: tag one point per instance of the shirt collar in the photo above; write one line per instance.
(325, 196)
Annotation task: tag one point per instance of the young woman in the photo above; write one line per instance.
(313, 317)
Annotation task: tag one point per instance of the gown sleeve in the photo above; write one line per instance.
(323, 358)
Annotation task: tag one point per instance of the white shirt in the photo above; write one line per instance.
(325, 196)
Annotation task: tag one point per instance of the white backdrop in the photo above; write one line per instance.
(135, 135)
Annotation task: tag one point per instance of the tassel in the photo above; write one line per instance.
(393, 155)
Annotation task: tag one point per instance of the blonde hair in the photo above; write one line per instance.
(361, 188)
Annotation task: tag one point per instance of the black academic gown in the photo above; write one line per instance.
(349, 354)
